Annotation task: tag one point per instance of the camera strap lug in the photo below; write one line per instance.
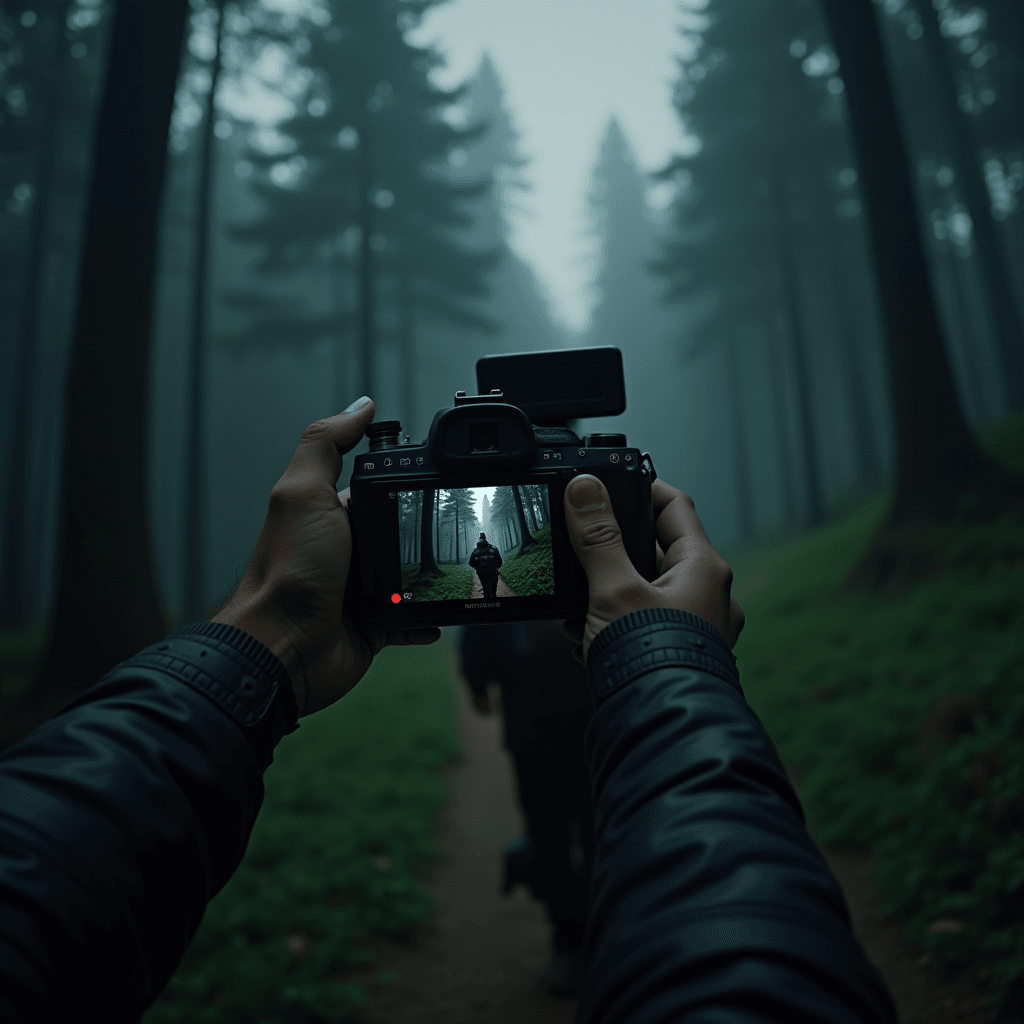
(648, 464)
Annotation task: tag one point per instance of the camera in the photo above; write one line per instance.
(469, 525)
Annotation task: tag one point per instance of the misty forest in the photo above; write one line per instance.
(439, 529)
(222, 220)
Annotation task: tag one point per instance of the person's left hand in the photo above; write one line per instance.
(291, 596)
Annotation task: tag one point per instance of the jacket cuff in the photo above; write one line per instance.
(655, 638)
(235, 671)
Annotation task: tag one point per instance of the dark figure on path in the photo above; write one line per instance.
(486, 560)
(546, 708)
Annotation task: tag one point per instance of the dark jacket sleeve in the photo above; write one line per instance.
(497, 559)
(124, 814)
(710, 902)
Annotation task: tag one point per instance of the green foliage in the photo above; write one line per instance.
(454, 584)
(532, 571)
(351, 806)
(903, 723)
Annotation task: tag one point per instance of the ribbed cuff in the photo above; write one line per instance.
(234, 670)
(655, 638)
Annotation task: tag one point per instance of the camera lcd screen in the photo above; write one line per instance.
(475, 543)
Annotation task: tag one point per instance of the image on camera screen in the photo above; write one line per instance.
(475, 543)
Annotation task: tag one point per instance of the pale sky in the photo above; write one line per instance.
(567, 66)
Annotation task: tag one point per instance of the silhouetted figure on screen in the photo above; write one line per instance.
(546, 708)
(486, 560)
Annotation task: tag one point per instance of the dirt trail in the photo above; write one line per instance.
(480, 960)
(504, 590)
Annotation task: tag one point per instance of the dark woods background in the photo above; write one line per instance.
(220, 221)
(783, 358)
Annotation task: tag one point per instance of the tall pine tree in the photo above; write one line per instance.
(363, 182)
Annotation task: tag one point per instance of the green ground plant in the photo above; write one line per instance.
(532, 572)
(902, 722)
(454, 584)
(351, 807)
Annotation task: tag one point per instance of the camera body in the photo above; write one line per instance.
(469, 526)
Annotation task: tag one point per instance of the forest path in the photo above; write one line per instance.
(480, 958)
(504, 590)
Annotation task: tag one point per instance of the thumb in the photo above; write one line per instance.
(596, 537)
(319, 455)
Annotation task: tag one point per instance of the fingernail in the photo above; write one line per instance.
(357, 404)
(585, 493)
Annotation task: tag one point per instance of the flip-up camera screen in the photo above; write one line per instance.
(475, 543)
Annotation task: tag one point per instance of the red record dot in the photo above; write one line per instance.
(396, 598)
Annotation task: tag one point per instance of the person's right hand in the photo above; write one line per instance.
(692, 576)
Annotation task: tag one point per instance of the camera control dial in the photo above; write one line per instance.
(384, 434)
(605, 441)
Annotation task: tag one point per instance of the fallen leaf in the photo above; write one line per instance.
(299, 944)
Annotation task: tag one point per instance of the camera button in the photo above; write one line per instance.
(419, 461)
(613, 457)
(367, 465)
(388, 462)
(547, 455)
(408, 462)
(582, 452)
(627, 458)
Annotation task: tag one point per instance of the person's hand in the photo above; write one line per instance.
(692, 576)
(291, 596)
(482, 702)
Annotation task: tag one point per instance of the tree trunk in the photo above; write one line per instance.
(865, 446)
(367, 267)
(428, 567)
(531, 513)
(937, 458)
(780, 426)
(193, 568)
(527, 537)
(953, 270)
(741, 452)
(407, 345)
(107, 606)
(808, 434)
(456, 503)
(996, 277)
(15, 606)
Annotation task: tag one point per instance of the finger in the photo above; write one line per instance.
(677, 520)
(659, 557)
(412, 637)
(319, 455)
(595, 535)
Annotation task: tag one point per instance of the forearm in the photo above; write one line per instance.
(122, 816)
(709, 899)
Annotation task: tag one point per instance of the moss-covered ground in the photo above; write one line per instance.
(454, 583)
(902, 721)
(351, 807)
(531, 572)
